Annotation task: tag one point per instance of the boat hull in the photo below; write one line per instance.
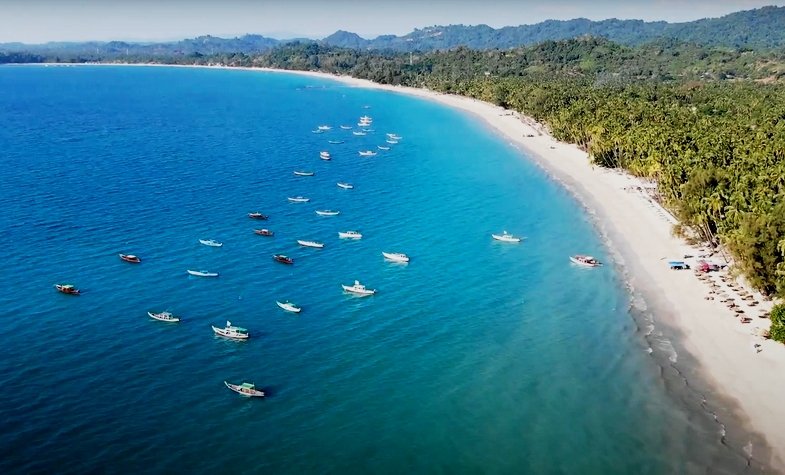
(395, 257)
(316, 245)
(210, 243)
(289, 307)
(197, 273)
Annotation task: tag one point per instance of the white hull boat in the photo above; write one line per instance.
(350, 235)
(289, 307)
(324, 127)
(585, 261)
(231, 332)
(346, 127)
(382, 147)
(202, 273)
(395, 256)
(325, 156)
(299, 173)
(328, 212)
(245, 389)
(345, 186)
(299, 199)
(358, 289)
(367, 153)
(506, 237)
(164, 317)
(211, 242)
(392, 142)
(317, 245)
(358, 133)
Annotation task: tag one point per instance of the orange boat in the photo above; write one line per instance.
(130, 258)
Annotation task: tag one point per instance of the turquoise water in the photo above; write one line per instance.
(477, 357)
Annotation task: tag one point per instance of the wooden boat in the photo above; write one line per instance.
(245, 389)
(300, 173)
(202, 273)
(283, 259)
(67, 289)
(211, 242)
(263, 232)
(327, 212)
(232, 332)
(315, 244)
(298, 199)
(586, 261)
(396, 256)
(506, 237)
(130, 258)
(350, 235)
(289, 307)
(164, 317)
(257, 216)
(367, 153)
(345, 186)
(358, 289)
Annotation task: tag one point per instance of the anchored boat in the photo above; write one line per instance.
(315, 244)
(358, 289)
(245, 389)
(327, 212)
(283, 259)
(257, 216)
(67, 289)
(130, 258)
(350, 235)
(506, 237)
(289, 307)
(586, 261)
(396, 256)
(164, 317)
(231, 332)
(211, 242)
(202, 273)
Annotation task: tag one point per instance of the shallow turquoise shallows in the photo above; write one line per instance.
(476, 357)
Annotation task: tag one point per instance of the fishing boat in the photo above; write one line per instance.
(289, 306)
(586, 261)
(350, 235)
(245, 389)
(358, 289)
(324, 127)
(211, 242)
(317, 245)
(359, 133)
(302, 173)
(382, 147)
(345, 186)
(396, 256)
(202, 273)
(256, 215)
(67, 289)
(263, 232)
(164, 317)
(230, 331)
(346, 127)
(367, 153)
(130, 258)
(327, 212)
(392, 141)
(506, 237)
(283, 259)
(298, 199)
(335, 142)
(325, 156)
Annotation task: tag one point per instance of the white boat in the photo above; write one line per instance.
(245, 389)
(360, 133)
(298, 199)
(327, 212)
(289, 306)
(587, 261)
(324, 127)
(367, 153)
(335, 142)
(358, 288)
(396, 256)
(164, 317)
(202, 273)
(392, 142)
(382, 147)
(506, 237)
(300, 173)
(211, 242)
(345, 186)
(366, 118)
(369, 130)
(317, 131)
(325, 155)
(315, 244)
(346, 127)
(230, 331)
(394, 137)
(350, 235)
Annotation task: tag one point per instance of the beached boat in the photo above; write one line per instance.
(358, 289)
(327, 212)
(315, 244)
(346, 127)
(211, 242)
(263, 232)
(289, 306)
(390, 141)
(245, 389)
(256, 215)
(587, 261)
(164, 317)
(345, 186)
(506, 237)
(230, 331)
(130, 258)
(350, 235)
(303, 173)
(382, 147)
(67, 289)
(358, 133)
(283, 259)
(324, 127)
(396, 256)
(325, 155)
(202, 273)
(367, 153)
(335, 142)
(298, 199)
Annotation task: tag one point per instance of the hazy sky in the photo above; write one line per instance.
(36, 21)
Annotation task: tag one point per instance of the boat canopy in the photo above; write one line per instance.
(240, 329)
(247, 386)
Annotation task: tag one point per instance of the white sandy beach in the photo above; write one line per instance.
(641, 230)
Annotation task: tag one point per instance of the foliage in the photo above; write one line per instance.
(777, 330)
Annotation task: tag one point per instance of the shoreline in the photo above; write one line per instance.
(639, 230)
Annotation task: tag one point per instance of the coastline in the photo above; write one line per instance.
(641, 232)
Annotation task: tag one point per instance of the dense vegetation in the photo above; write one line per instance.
(777, 330)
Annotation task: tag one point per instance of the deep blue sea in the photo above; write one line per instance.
(476, 357)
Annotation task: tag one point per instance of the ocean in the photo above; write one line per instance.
(476, 357)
